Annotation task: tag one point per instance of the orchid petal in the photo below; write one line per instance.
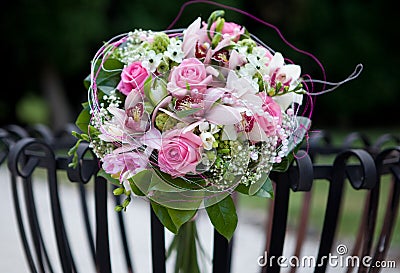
(118, 114)
(132, 99)
(126, 148)
(292, 71)
(152, 139)
(229, 133)
(257, 134)
(212, 96)
(253, 99)
(221, 45)
(286, 100)
(223, 115)
(190, 127)
(190, 38)
(163, 103)
(236, 59)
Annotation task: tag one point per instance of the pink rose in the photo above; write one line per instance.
(126, 164)
(133, 77)
(180, 153)
(190, 75)
(273, 109)
(230, 30)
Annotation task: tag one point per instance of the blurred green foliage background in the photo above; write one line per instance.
(47, 47)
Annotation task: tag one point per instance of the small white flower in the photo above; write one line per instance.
(207, 127)
(247, 71)
(174, 51)
(214, 129)
(208, 140)
(151, 60)
(204, 126)
(258, 63)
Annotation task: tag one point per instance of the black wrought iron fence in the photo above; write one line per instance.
(358, 161)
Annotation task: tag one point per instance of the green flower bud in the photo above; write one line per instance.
(118, 208)
(118, 191)
(163, 67)
(126, 202)
(225, 151)
(249, 43)
(219, 24)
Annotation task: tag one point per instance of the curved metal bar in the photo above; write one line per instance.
(124, 239)
(350, 139)
(157, 243)
(103, 262)
(5, 144)
(301, 174)
(83, 173)
(362, 176)
(320, 143)
(16, 132)
(388, 159)
(86, 169)
(41, 131)
(299, 177)
(24, 157)
(64, 137)
(385, 139)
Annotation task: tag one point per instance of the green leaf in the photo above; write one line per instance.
(158, 184)
(180, 183)
(284, 165)
(86, 82)
(223, 216)
(136, 189)
(164, 217)
(82, 121)
(108, 76)
(266, 191)
(109, 178)
(147, 86)
(106, 89)
(255, 187)
(179, 217)
(185, 113)
(242, 188)
(140, 182)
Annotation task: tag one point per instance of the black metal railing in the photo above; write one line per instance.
(358, 161)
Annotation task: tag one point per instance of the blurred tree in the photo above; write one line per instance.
(45, 44)
(47, 47)
(343, 33)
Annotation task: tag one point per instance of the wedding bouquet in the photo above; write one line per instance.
(186, 117)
